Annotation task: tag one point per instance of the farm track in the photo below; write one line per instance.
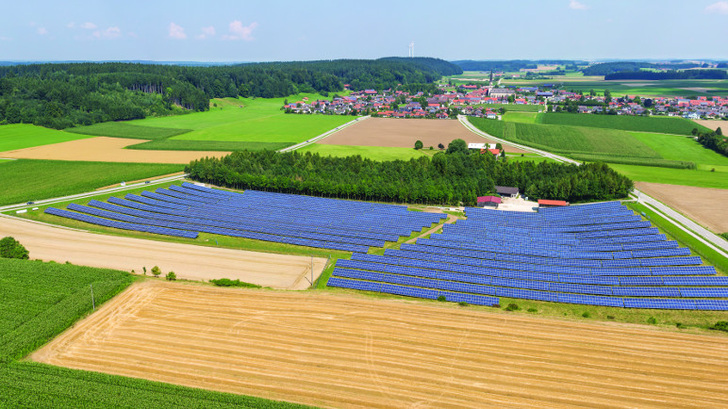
(335, 350)
(188, 261)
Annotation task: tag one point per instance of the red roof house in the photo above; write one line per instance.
(552, 203)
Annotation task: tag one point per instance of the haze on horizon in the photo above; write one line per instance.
(234, 31)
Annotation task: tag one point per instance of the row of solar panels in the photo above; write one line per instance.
(413, 292)
(319, 217)
(202, 225)
(424, 252)
(476, 266)
(657, 249)
(495, 283)
(615, 222)
(193, 234)
(678, 304)
(695, 277)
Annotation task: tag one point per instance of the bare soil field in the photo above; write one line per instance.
(188, 261)
(706, 206)
(105, 149)
(351, 351)
(402, 133)
(713, 124)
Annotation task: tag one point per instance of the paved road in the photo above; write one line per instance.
(323, 135)
(704, 235)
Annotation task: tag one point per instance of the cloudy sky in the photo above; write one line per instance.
(244, 30)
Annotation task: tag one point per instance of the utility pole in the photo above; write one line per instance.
(93, 302)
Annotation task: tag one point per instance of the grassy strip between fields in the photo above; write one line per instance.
(40, 300)
(673, 232)
(226, 146)
(126, 130)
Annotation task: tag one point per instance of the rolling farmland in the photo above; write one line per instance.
(21, 136)
(385, 353)
(663, 125)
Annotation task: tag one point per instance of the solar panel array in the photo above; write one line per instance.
(187, 210)
(597, 254)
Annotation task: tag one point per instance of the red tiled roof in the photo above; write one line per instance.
(552, 202)
(489, 199)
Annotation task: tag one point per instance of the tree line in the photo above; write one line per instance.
(713, 140)
(450, 178)
(64, 95)
(668, 75)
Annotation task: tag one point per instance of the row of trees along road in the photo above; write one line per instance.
(451, 177)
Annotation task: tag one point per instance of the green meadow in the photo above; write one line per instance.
(367, 152)
(522, 117)
(669, 125)
(29, 180)
(514, 107)
(20, 136)
(686, 177)
(661, 88)
(127, 130)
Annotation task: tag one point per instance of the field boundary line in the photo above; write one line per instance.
(323, 135)
(44, 202)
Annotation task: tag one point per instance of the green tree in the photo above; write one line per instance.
(418, 145)
(171, 276)
(11, 248)
(457, 145)
(156, 271)
(719, 131)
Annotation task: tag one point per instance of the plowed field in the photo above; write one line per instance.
(336, 350)
(390, 132)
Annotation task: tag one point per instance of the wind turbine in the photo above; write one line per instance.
(411, 49)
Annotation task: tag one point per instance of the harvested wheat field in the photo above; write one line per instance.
(350, 351)
(105, 149)
(707, 206)
(713, 124)
(403, 133)
(188, 261)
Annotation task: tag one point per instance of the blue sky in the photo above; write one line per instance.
(284, 30)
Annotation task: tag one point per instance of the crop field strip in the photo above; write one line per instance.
(590, 254)
(386, 353)
(300, 220)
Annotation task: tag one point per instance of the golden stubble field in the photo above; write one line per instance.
(706, 206)
(350, 351)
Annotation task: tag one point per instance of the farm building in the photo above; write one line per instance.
(489, 201)
(507, 191)
(552, 203)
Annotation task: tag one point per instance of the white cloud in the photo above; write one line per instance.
(42, 31)
(575, 5)
(207, 32)
(176, 32)
(720, 7)
(88, 26)
(110, 32)
(71, 25)
(240, 32)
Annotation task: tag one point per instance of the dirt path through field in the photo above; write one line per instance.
(707, 206)
(188, 261)
(403, 133)
(349, 351)
(105, 149)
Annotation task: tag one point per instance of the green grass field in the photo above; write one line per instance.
(683, 148)
(666, 125)
(367, 152)
(521, 117)
(127, 130)
(20, 136)
(182, 145)
(514, 107)
(663, 88)
(685, 177)
(26, 179)
(39, 301)
(249, 120)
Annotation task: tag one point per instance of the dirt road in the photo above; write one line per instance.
(105, 149)
(188, 261)
(350, 351)
(391, 132)
(706, 206)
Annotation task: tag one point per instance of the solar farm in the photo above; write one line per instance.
(596, 254)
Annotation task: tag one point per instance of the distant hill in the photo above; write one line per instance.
(511, 65)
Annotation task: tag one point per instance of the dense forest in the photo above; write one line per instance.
(632, 66)
(63, 95)
(713, 140)
(668, 75)
(512, 65)
(450, 177)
